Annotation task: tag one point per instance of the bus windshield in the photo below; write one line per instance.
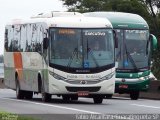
(81, 48)
(132, 49)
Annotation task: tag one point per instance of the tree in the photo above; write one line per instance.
(153, 7)
(130, 6)
(84, 5)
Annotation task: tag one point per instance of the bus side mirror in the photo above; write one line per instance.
(153, 40)
(115, 39)
(45, 43)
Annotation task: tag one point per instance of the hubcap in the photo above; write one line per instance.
(17, 90)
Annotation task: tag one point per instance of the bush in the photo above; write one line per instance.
(10, 116)
(156, 63)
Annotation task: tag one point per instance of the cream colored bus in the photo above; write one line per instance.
(56, 56)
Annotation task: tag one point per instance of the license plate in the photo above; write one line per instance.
(83, 93)
(123, 86)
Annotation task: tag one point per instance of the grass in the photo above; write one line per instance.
(11, 116)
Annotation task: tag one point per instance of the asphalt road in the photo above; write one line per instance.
(58, 109)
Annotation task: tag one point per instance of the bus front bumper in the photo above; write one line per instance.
(62, 87)
(129, 85)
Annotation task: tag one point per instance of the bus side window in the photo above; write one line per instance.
(9, 38)
(6, 39)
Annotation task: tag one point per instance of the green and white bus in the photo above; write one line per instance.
(133, 54)
(55, 56)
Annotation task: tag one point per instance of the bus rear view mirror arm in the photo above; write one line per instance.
(45, 43)
(115, 39)
(153, 40)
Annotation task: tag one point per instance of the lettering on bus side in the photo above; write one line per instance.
(83, 76)
(72, 76)
(95, 33)
(93, 76)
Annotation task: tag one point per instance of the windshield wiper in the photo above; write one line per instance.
(90, 51)
(131, 59)
(75, 53)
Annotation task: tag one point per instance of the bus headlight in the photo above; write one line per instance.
(56, 76)
(107, 77)
(143, 78)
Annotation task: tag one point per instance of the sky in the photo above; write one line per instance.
(23, 9)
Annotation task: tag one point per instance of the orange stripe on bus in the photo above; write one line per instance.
(18, 63)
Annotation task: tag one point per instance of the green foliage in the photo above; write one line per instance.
(153, 2)
(141, 7)
(156, 63)
(130, 6)
(84, 5)
(10, 116)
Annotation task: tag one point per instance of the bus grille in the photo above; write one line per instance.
(78, 81)
(89, 89)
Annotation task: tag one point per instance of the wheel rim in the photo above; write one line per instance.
(97, 100)
(43, 97)
(43, 94)
(17, 90)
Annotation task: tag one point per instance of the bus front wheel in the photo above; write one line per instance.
(65, 97)
(46, 97)
(28, 95)
(108, 96)
(74, 97)
(19, 93)
(97, 99)
(134, 95)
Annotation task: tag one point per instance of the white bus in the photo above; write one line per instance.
(56, 56)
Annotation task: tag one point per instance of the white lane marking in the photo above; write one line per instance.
(146, 106)
(68, 108)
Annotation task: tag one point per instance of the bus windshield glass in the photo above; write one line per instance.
(134, 54)
(81, 48)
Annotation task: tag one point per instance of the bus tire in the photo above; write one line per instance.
(74, 97)
(19, 93)
(39, 83)
(108, 96)
(97, 99)
(134, 95)
(46, 97)
(28, 95)
(66, 97)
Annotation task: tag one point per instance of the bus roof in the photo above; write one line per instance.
(121, 19)
(68, 21)
(56, 14)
